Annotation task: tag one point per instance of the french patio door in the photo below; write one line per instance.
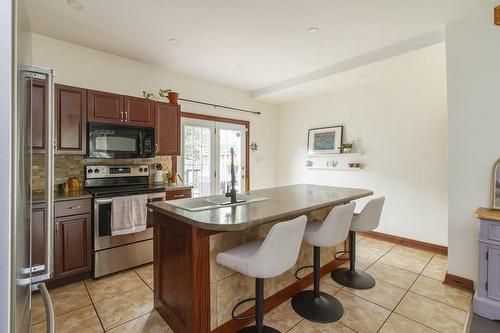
(205, 161)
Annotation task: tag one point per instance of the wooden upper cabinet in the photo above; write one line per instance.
(38, 109)
(139, 111)
(104, 107)
(71, 119)
(167, 128)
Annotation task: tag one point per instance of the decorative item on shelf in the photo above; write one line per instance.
(354, 165)
(346, 148)
(331, 164)
(309, 163)
(495, 186)
(173, 97)
(148, 95)
(253, 146)
(324, 140)
(158, 173)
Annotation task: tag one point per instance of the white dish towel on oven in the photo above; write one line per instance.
(128, 214)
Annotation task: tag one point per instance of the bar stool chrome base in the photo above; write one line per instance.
(353, 279)
(323, 308)
(253, 329)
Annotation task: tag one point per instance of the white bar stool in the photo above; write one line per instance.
(315, 305)
(266, 258)
(367, 220)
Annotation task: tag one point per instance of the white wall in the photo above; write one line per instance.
(84, 67)
(401, 125)
(473, 57)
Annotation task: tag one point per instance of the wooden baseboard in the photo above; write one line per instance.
(277, 299)
(459, 282)
(438, 249)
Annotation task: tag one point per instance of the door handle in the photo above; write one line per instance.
(121, 116)
(126, 116)
(49, 308)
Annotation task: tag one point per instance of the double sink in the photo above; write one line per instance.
(214, 201)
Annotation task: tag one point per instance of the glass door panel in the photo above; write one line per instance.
(197, 157)
(230, 136)
(205, 161)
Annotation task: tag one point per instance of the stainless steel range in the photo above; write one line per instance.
(116, 253)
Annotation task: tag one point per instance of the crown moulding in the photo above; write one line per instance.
(497, 15)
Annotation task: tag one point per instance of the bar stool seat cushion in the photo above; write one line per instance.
(271, 256)
(239, 258)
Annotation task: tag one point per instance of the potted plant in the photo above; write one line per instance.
(173, 97)
(346, 148)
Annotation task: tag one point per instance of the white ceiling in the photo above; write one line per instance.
(269, 37)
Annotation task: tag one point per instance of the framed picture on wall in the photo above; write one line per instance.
(324, 140)
(495, 187)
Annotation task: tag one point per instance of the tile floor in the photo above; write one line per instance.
(408, 297)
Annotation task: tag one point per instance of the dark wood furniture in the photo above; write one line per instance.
(38, 107)
(103, 107)
(178, 194)
(139, 111)
(108, 108)
(75, 106)
(72, 237)
(167, 128)
(71, 119)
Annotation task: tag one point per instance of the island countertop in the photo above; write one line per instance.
(285, 202)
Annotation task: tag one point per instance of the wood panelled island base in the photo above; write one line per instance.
(195, 294)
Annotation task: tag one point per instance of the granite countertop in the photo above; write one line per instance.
(284, 202)
(39, 197)
(488, 214)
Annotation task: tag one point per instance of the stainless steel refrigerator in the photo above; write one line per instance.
(26, 278)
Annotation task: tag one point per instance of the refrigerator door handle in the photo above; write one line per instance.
(49, 175)
(49, 309)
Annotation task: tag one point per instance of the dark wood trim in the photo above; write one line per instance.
(497, 15)
(438, 249)
(458, 282)
(215, 118)
(245, 123)
(277, 299)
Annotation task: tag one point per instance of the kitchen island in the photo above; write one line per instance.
(195, 294)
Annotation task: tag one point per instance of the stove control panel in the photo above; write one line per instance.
(109, 171)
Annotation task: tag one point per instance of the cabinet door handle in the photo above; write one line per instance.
(121, 116)
(75, 207)
(57, 227)
(126, 115)
(157, 148)
(179, 196)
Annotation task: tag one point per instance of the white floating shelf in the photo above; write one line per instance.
(330, 168)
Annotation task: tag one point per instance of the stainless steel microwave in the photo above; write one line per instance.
(115, 141)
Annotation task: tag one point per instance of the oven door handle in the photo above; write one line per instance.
(103, 201)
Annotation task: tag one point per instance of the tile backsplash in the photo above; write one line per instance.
(73, 166)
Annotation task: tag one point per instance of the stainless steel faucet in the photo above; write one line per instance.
(232, 193)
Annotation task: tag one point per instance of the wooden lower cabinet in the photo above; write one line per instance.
(178, 194)
(72, 238)
(73, 253)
